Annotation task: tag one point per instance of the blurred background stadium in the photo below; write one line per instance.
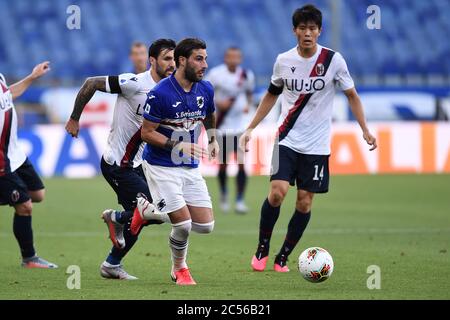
(402, 70)
(398, 221)
(407, 50)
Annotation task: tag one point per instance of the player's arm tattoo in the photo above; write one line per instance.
(210, 126)
(85, 94)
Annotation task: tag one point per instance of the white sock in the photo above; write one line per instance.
(203, 227)
(178, 243)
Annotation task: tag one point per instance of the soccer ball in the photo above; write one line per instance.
(315, 264)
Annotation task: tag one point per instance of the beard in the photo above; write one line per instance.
(191, 75)
(163, 73)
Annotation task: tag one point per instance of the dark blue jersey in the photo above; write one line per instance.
(180, 115)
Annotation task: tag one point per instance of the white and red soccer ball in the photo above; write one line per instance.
(315, 264)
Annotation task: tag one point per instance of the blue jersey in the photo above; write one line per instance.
(180, 115)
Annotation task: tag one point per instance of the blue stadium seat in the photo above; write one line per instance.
(35, 30)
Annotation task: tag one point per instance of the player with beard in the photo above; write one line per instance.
(174, 112)
(122, 159)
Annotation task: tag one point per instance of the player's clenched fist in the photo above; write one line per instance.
(244, 139)
(73, 127)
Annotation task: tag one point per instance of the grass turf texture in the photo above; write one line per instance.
(400, 223)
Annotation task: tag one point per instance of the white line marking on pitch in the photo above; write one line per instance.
(336, 231)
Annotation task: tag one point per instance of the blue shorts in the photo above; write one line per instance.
(14, 186)
(126, 182)
(310, 172)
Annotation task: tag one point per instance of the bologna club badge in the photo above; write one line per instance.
(320, 69)
(15, 196)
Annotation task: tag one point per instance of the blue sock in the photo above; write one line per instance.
(123, 217)
(24, 235)
(113, 260)
(116, 255)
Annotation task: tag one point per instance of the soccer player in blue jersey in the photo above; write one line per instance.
(122, 159)
(174, 112)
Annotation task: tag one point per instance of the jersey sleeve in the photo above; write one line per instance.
(342, 76)
(153, 110)
(276, 81)
(2, 78)
(125, 83)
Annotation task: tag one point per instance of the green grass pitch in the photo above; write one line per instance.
(400, 223)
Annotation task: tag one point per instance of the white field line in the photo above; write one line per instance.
(335, 231)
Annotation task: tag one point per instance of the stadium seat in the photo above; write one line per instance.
(261, 27)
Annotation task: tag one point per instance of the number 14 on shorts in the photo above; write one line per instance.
(318, 175)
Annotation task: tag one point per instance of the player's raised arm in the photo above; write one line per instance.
(358, 111)
(18, 88)
(90, 86)
(124, 84)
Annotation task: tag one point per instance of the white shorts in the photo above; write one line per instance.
(174, 187)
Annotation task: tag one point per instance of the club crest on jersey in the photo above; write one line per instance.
(15, 195)
(200, 102)
(320, 69)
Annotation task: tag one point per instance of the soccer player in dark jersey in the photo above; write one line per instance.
(307, 77)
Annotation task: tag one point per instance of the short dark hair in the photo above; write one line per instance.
(185, 47)
(305, 14)
(159, 45)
